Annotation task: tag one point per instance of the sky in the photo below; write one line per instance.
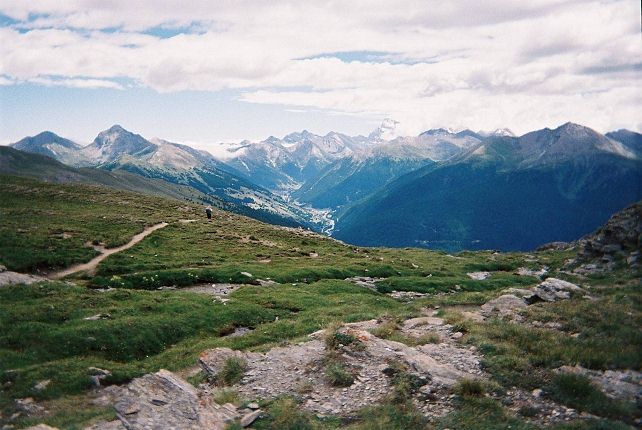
(206, 71)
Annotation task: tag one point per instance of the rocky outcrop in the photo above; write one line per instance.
(619, 241)
(163, 400)
(300, 368)
(8, 277)
(550, 290)
(554, 246)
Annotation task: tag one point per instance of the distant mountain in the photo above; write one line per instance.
(630, 139)
(19, 163)
(281, 165)
(350, 180)
(114, 143)
(336, 171)
(503, 193)
(49, 144)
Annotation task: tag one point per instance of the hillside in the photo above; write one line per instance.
(506, 193)
(19, 163)
(414, 339)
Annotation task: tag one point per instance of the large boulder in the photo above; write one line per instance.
(503, 305)
(162, 400)
(553, 289)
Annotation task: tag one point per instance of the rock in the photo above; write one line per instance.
(163, 400)
(98, 371)
(41, 427)
(505, 305)
(478, 276)
(107, 425)
(554, 246)
(248, 419)
(523, 271)
(417, 322)
(249, 275)
(3, 268)
(10, 278)
(553, 289)
(42, 385)
(97, 317)
(253, 406)
(457, 335)
(537, 392)
(406, 295)
(619, 237)
(29, 406)
(365, 282)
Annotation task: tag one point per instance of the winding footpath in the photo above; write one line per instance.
(90, 267)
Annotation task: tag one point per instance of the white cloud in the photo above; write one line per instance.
(482, 65)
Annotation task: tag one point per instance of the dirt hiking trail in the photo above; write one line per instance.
(90, 267)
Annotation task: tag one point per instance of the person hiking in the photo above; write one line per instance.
(208, 211)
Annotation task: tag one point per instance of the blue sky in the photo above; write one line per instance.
(202, 72)
(183, 116)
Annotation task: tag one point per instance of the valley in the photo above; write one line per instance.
(439, 190)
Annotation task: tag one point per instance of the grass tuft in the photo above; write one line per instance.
(232, 371)
(470, 388)
(338, 375)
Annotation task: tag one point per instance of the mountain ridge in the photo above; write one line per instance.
(327, 179)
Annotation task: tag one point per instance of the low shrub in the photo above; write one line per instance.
(338, 375)
(470, 388)
(232, 371)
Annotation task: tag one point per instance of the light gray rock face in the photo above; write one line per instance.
(8, 277)
(550, 290)
(503, 305)
(524, 271)
(553, 289)
(478, 276)
(164, 401)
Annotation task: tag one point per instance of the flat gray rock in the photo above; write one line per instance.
(164, 401)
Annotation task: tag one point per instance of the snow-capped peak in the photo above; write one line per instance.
(498, 132)
(386, 131)
(503, 132)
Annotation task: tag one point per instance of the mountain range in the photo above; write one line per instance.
(440, 189)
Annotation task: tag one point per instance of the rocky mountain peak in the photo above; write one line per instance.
(575, 130)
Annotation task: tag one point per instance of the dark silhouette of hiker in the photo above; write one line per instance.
(208, 211)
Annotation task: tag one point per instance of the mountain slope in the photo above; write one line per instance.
(630, 139)
(51, 145)
(19, 163)
(506, 193)
(349, 180)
